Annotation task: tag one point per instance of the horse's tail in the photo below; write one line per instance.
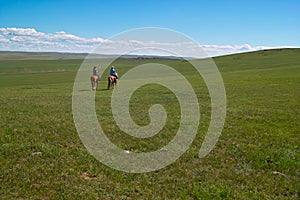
(111, 82)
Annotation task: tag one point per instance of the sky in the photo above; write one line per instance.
(219, 27)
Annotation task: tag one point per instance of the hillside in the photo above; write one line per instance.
(259, 59)
(236, 59)
(16, 55)
(256, 156)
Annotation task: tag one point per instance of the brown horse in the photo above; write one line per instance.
(94, 81)
(112, 82)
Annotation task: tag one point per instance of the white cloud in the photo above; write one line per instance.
(3, 39)
(28, 39)
(20, 31)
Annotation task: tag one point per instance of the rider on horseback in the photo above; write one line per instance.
(95, 72)
(113, 72)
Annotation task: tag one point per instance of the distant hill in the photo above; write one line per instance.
(259, 59)
(19, 55)
(256, 55)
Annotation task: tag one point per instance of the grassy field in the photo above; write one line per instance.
(256, 157)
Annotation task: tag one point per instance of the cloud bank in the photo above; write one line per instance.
(28, 39)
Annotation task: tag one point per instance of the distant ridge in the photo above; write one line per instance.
(260, 52)
(23, 55)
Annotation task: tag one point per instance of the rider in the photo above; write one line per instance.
(96, 72)
(113, 72)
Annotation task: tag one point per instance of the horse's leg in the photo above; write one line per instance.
(114, 83)
(92, 82)
(108, 83)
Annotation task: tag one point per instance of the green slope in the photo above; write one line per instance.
(256, 157)
(259, 60)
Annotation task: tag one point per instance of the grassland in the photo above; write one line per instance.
(256, 157)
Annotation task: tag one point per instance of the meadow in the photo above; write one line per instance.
(256, 157)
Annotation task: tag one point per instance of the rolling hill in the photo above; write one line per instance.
(256, 157)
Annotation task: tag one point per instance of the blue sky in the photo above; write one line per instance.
(257, 22)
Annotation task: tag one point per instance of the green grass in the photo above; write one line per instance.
(256, 157)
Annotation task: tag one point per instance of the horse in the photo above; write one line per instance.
(94, 81)
(112, 82)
